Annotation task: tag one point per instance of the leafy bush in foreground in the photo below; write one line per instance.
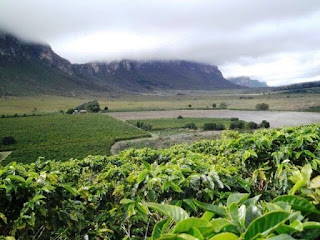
(114, 197)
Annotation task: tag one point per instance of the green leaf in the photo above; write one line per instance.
(160, 229)
(225, 236)
(211, 208)
(234, 213)
(311, 225)
(37, 198)
(146, 165)
(16, 178)
(282, 237)
(252, 213)
(207, 215)
(177, 214)
(297, 203)
(184, 236)
(190, 203)
(126, 201)
(220, 223)
(142, 176)
(265, 224)
(70, 189)
(187, 224)
(195, 233)
(238, 198)
(315, 182)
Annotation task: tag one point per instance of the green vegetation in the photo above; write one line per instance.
(174, 123)
(207, 124)
(63, 137)
(261, 185)
(262, 106)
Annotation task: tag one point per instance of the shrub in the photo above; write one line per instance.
(264, 124)
(262, 106)
(106, 108)
(252, 125)
(8, 140)
(223, 105)
(213, 126)
(92, 106)
(146, 127)
(237, 124)
(70, 111)
(234, 119)
(24, 115)
(3, 116)
(180, 117)
(214, 105)
(16, 115)
(191, 126)
(189, 105)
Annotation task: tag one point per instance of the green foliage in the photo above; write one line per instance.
(213, 126)
(237, 124)
(261, 185)
(191, 125)
(64, 136)
(252, 125)
(92, 106)
(264, 124)
(223, 105)
(70, 111)
(179, 117)
(262, 106)
(175, 123)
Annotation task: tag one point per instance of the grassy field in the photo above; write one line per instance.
(63, 137)
(162, 101)
(174, 123)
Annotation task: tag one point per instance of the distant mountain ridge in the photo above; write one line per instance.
(31, 68)
(247, 82)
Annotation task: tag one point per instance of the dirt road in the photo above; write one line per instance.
(276, 118)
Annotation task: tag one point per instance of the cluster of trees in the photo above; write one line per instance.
(92, 106)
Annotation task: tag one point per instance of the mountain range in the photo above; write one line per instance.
(34, 68)
(248, 82)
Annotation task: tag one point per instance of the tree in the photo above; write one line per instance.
(223, 105)
(92, 106)
(189, 105)
(106, 108)
(252, 125)
(262, 106)
(214, 105)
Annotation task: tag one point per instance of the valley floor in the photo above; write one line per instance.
(276, 118)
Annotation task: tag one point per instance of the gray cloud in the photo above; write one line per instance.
(231, 33)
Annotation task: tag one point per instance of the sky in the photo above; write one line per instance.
(277, 41)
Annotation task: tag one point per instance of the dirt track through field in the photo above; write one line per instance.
(276, 118)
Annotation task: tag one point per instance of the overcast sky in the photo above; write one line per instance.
(277, 41)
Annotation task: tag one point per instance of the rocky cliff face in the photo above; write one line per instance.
(31, 67)
(247, 82)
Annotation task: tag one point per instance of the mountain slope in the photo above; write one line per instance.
(30, 68)
(247, 82)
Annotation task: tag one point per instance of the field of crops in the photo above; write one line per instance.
(261, 185)
(63, 136)
(173, 123)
